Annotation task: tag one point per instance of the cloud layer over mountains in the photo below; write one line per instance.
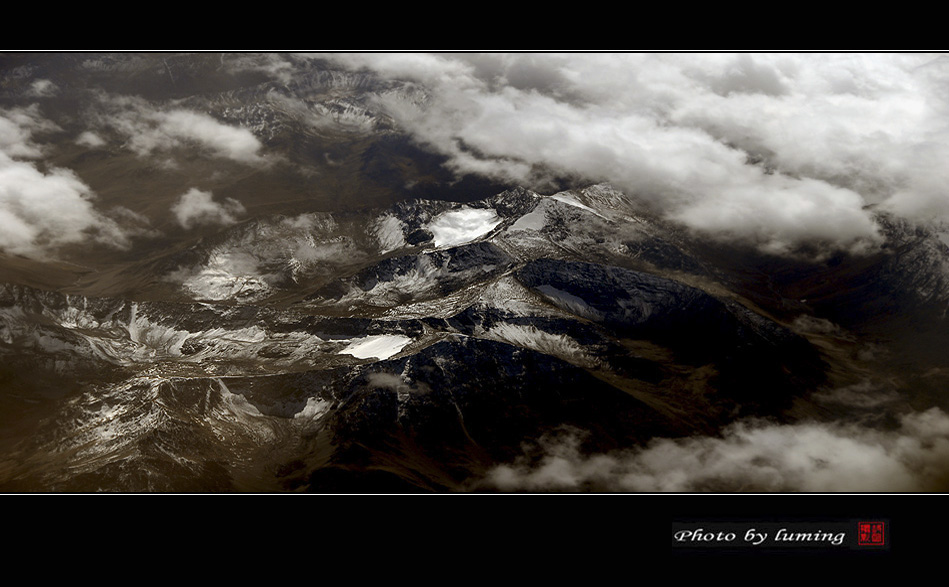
(776, 149)
(779, 150)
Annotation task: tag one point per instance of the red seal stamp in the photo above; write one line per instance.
(871, 534)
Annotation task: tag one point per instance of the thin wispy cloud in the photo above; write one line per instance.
(17, 129)
(42, 88)
(272, 64)
(148, 129)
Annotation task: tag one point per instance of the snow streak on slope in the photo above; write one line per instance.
(530, 337)
(390, 232)
(567, 198)
(569, 302)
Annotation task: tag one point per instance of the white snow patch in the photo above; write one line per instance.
(464, 225)
(380, 346)
(536, 219)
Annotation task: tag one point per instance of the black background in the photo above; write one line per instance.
(449, 538)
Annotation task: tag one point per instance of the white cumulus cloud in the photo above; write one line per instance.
(178, 126)
(90, 139)
(197, 207)
(41, 210)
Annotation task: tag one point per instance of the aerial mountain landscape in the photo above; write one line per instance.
(389, 273)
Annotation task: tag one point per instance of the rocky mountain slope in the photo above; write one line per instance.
(410, 348)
